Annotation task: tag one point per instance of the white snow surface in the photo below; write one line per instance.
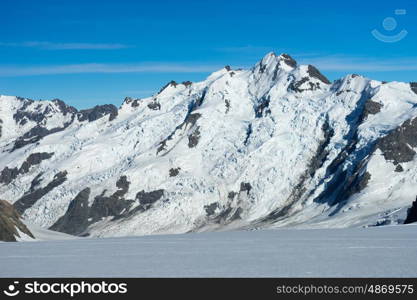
(42, 234)
(388, 251)
(238, 142)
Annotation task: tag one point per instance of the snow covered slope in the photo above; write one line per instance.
(275, 145)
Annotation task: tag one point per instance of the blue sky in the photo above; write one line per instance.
(96, 52)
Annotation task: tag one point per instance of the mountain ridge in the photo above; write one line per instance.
(275, 145)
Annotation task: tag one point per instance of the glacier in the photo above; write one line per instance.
(387, 251)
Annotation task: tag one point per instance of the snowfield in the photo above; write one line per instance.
(388, 251)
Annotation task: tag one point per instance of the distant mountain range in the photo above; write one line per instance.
(276, 145)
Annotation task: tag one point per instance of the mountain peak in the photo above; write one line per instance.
(314, 72)
(271, 60)
(288, 60)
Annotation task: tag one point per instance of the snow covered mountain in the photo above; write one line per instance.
(276, 145)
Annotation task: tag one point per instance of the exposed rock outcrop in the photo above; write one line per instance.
(98, 112)
(412, 214)
(11, 225)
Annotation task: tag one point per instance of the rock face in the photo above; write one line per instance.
(76, 218)
(80, 215)
(398, 146)
(8, 175)
(10, 223)
(276, 145)
(413, 86)
(34, 194)
(412, 214)
(98, 112)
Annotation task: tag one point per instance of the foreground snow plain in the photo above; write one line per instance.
(388, 251)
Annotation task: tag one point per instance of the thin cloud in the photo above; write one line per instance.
(8, 71)
(324, 63)
(247, 49)
(66, 46)
(362, 64)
